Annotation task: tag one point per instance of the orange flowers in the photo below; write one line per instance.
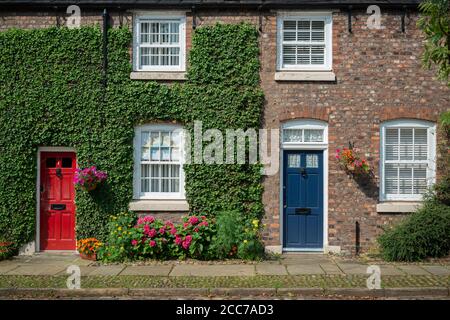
(88, 246)
(351, 161)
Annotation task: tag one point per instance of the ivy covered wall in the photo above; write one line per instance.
(51, 94)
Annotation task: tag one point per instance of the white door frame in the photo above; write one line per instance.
(305, 124)
(38, 195)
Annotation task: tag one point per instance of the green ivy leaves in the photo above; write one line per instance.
(51, 94)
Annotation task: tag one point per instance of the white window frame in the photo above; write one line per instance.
(431, 161)
(137, 195)
(327, 17)
(302, 125)
(159, 17)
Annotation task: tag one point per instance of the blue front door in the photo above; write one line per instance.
(303, 199)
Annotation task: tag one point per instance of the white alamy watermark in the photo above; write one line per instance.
(374, 280)
(74, 20)
(74, 280)
(232, 146)
(374, 20)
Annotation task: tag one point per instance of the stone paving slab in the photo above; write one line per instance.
(330, 268)
(353, 268)
(213, 270)
(414, 270)
(437, 270)
(388, 270)
(7, 267)
(146, 271)
(304, 269)
(112, 270)
(36, 270)
(271, 269)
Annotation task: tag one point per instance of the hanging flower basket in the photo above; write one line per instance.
(89, 178)
(352, 162)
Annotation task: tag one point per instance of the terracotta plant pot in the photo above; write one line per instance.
(91, 188)
(92, 257)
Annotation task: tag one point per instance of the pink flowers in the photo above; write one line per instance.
(152, 243)
(173, 230)
(134, 242)
(178, 240)
(89, 178)
(162, 230)
(203, 224)
(187, 242)
(146, 219)
(193, 220)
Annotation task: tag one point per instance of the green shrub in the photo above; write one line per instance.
(425, 233)
(150, 238)
(236, 237)
(118, 245)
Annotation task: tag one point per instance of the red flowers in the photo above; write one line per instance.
(351, 161)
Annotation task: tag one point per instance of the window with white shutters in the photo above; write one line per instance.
(159, 43)
(407, 159)
(304, 43)
(158, 162)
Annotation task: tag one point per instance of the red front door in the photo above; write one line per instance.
(57, 217)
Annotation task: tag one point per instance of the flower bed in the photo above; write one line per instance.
(151, 238)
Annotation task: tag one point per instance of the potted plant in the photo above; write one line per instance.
(351, 161)
(89, 178)
(88, 248)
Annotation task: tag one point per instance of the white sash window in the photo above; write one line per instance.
(158, 168)
(159, 43)
(304, 42)
(407, 159)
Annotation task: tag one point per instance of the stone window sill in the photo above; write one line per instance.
(162, 76)
(159, 205)
(305, 76)
(398, 207)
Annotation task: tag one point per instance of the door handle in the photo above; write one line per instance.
(58, 172)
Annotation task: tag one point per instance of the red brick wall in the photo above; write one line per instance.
(379, 77)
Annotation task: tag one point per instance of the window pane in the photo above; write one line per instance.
(405, 172)
(313, 135)
(175, 185)
(165, 154)
(294, 161)
(165, 138)
(155, 155)
(145, 154)
(292, 135)
(175, 173)
(154, 56)
(289, 25)
(312, 161)
(318, 25)
(175, 154)
(391, 152)
(165, 170)
(165, 185)
(50, 162)
(391, 136)
(289, 53)
(420, 179)
(145, 170)
(391, 179)
(154, 170)
(145, 185)
(155, 185)
(144, 59)
(66, 163)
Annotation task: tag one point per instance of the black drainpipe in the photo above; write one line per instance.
(105, 47)
(357, 238)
